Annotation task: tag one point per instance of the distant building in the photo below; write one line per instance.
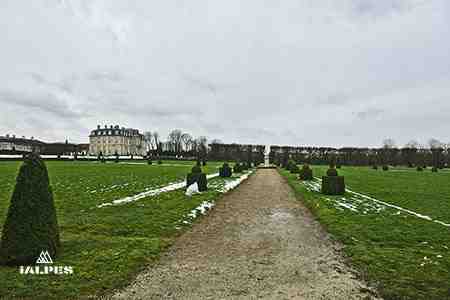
(112, 140)
(13, 145)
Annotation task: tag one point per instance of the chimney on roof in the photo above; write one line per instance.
(111, 127)
(14, 136)
(98, 126)
(7, 135)
(106, 126)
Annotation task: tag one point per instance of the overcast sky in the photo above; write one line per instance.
(297, 72)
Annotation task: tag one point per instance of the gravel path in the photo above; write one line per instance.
(258, 242)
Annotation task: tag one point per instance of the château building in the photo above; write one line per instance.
(113, 139)
(13, 145)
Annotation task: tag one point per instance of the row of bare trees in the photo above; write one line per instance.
(178, 143)
(435, 154)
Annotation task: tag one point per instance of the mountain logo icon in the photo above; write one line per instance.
(44, 258)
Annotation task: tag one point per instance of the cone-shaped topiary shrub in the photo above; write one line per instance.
(385, 168)
(306, 173)
(31, 224)
(196, 175)
(291, 165)
(196, 169)
(149, 161)
(294, 169)
(225, 171)
(237, 168)
(332, 172)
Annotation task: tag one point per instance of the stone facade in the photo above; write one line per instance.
(112, 140)
(13, 145)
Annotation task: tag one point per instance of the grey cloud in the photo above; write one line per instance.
(43, 103)
(105, 76)
(377, 8)
(370, 113)
(286, 72)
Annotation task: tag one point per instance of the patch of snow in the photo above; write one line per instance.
(229, 185)
(313, 187)
(152, 192)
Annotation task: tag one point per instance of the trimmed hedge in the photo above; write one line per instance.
(294, 169)
(333, 185)
(306, 173)
(201, 180)
(31, 225)
(238, 168)
(225, 171)
(332, 172)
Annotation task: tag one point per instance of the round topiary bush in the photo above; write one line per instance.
(159, 162)
(225, 171)
(434, 169)
(31, 224)
(196, 169)
(294, 169)
(332, 172)
(385, 168)
(419, 168)
(375, 167)
(237, 168)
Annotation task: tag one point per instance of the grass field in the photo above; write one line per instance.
(106, 246)
(404, 256)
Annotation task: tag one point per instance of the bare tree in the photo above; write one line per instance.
(216, 141)
(202, 147)
(148, 140)
(175, 140)
(412, 144)
(156, 141)
(434, 143)
(387, 152)
(187, 141)
(388, 143)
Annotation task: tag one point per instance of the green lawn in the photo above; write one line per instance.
(106, 246)
(404, 256)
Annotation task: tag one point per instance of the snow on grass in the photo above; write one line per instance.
(152, 192)
(361, 203)
(227, 184)
(201, 209)
(207, 205)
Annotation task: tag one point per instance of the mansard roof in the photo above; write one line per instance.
(114, 131)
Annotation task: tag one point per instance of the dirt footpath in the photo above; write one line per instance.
(258, 242)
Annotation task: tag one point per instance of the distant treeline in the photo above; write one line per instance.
(408, 156)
